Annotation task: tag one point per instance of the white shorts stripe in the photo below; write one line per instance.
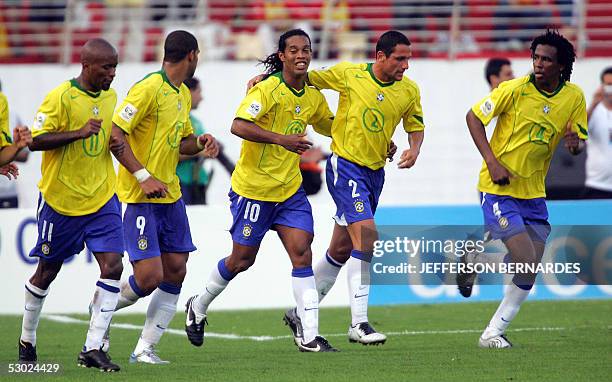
(334, 164)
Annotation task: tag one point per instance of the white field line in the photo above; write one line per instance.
(230, 336)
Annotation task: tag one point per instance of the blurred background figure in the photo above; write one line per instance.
(312, 178)
(195, 171)
(498, 70)
(598, 184)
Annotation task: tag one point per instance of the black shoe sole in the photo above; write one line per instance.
(376, 343)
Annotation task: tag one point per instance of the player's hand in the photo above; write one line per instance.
(572, 142)
(392, 150)
(254, 81)
(92, 127)
(499, 174)
(297, 143)
(211, 146)
(22, 136)
(10, 170)
(408, 158)
(153, 188)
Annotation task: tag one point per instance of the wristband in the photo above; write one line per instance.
(200, 145)
(141, 175)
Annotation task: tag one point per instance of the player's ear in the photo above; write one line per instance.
(281, 56)
(380, 56)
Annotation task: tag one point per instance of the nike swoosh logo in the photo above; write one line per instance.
(504, 320)
(107, 310)
(310, 309)
(73, 97)
(29, 310)
(524, 94)
(360, 295)
(189, 322)
(358, 76)
(162, 328)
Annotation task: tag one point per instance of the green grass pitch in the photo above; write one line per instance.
(554, 341)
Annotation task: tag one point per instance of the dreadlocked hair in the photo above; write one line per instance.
(273, 63)
(566, 54)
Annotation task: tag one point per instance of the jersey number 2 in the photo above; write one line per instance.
(353, 184)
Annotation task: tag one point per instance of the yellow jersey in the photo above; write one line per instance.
(155, 117)
(269, 172)
(368, 111)
(530, 124)
(77, 178)
(5, 133)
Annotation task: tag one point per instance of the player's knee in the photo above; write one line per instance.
(148, 284)
(340, 253)
(111, 270)
(240, 265)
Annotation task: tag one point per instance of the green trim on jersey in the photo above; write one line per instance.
(165, 77)
(76, 84)
(379, 82)
(298, 93)
(547, 95)
(7, 137)
(582, 129)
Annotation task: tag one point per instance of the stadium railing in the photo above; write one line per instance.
(53, 30)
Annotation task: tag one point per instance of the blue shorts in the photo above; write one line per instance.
(253, 218)
(354, 188)
(61, 236)
(506, 216)
(150, 229)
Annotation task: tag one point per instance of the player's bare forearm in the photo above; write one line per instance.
(415, 139)
(50, 141)
(8, 154)
(122, 151)
(189, 146)
(477, 131)
(252, 132)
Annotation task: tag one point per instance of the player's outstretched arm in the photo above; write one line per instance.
(22, 137)
(499, 174)
(297, 143)
(50, 141)
(121, 149)
(191, 145)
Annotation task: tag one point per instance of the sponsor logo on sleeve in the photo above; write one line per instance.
(487, 107)
(39, 121)
(254, 109)
(128, 112)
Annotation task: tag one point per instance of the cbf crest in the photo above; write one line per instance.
(298, 109)
(247, 230)
(96, 111)
(359, 206)
(380, 97)
(143, 243)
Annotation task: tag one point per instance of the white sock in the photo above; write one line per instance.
(130, 293)
(34, 299)
(217, 282)
(102, 309)
(326, 272)
(358, 269)
(159, 314)
(506, 311)
(488, 258)
(306, 297)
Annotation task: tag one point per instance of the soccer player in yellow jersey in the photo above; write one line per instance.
(374, 98)
(150, 129)
(77, 203)
(534, 112)
(267, 188)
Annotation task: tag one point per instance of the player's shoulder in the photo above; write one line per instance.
(60, 90)
(271, 82)
(409, 84)
(515, 84)
(152, 80)
(573, 89)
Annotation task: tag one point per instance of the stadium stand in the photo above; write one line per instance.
(50, 31)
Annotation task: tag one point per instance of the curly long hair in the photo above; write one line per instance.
(273, 63)
(566, 54)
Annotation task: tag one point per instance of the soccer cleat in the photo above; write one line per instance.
(98, 359)
(149, 356)
(27, 352)
(194, 324)
(318, 345)
(365, 334)
(292, 320)
(465, 280)
(495, 342)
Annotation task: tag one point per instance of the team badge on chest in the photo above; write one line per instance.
(380, 97)
(298, 109)
(179, 105)
(546, 109)
(95, 110)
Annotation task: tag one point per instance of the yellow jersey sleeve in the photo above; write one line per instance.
(188, 129)
(497, 102)
(412, 119)
(49, 117)
(135, 106)
(330, 78)
(323, 118)
(5, 134)
(255, 105)
(578, 119)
